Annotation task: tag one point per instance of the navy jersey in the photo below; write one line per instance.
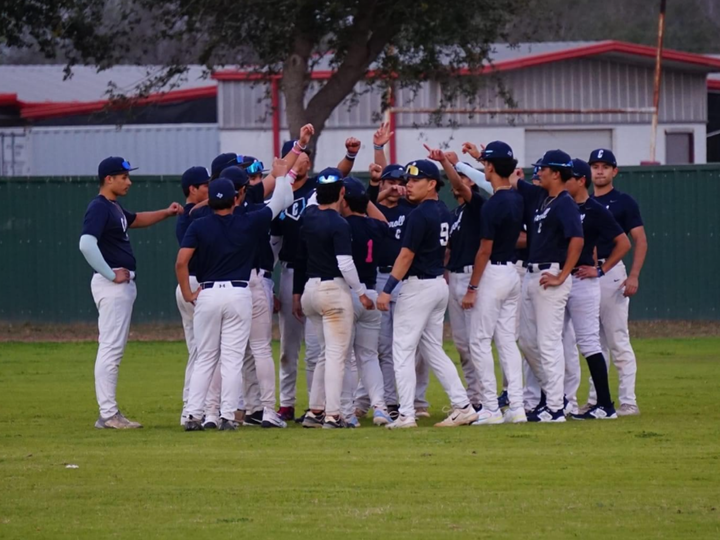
(426, 234)
(255, 194)
(367, 236)
(465, 233)
(501, 221)
(389, 248)
(264, 258)
(626, 212)
(598, 226)
(108, 222)
(225, 246)
(555, 221)
(287, 224)
(324, 235)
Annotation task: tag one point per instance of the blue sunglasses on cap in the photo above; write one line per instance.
(329, 179)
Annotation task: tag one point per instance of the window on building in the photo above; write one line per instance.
(679, 148)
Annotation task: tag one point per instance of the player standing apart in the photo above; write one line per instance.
(555, 246)
(421, 304)
(617, 287)
(105, 244)
(325, 259)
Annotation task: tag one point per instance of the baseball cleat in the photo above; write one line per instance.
(301, 419)
(515, 416)
(193, 424)
(210, 424)
(334, 422)
(253, 419)
(486, 417)
(227, 425)
(394, 411)
(287, 413)
(381, 417)
(598, 412)
(546, 415)
(116, 421)
(271, 419)
(422, 412)
(402, 422)
(503, 400)
(313, 420)
(627, 409)
(352, 422)
(459, 417)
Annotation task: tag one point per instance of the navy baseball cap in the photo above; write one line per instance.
(555, 158)
(582, 169)
(288, 145)
(423, 168)
(602, 155)
(330, 176)
(195, 176)
(222, 188)
(114, 165)
(393, 172)
(354, 188)
(221, 162)
(236, 175)
(496, 150)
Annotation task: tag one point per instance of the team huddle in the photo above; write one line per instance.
(366, 277)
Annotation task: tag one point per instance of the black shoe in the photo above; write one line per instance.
(334, 422)
(254, 419)
(210, 425)
(227, 425)
(287, 413)
(394, 411)
(503, 400)
(193, 424)
(546, 415)
(301, 419)
(598, 412)
(313, 420)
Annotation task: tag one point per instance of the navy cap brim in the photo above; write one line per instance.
(120, 171)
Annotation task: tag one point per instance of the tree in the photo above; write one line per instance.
(403, 41)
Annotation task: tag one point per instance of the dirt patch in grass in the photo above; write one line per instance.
(173, 332)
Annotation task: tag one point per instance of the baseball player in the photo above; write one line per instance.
(224, 245)
(195, 188)
(462, 247)
(583, 306)
(617, 287)
(421, 304)
(492, 293)
(325, 261)
(556, 241)
(368, 229)
(105, 244)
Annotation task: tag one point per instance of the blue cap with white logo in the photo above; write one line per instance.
(496, 150)
(582, 170)
(114, 165)
(556, 159)
(236, 175)
(330, 176)
(195, 176)
(354, 188)
(602, 155)
(220, 189)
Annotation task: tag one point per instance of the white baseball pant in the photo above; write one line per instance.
(385, 343)
(418, 323)
(259, 367)
(463, 331)
(223, 317)
(615, 334)
(541, 324)
(114, 302)
(329, 306)
(291, 336)
(493, 319)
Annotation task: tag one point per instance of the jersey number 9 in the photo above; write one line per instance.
(444, 234)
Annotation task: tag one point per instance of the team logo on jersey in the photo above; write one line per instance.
(295, 210)
(582, 218)
(456, 224)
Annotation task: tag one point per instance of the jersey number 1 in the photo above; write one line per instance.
(444, 234)
(369, 257)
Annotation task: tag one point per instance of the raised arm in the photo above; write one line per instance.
(306, 133)
(380, 139)
(458, 185)
(352, 147)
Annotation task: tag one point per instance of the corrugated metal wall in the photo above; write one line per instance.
(570, 84)
(47, 279)
(156, 149)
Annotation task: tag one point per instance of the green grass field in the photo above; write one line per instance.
(653, 476)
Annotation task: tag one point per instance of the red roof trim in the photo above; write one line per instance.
(58, 109)
(10, 100)
(583, 51)
(714, 84)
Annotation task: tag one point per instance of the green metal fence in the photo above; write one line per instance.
(46, 279)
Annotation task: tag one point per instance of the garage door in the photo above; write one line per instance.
(576, 142)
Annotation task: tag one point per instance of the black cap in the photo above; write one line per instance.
(496, 150)
(582, 169)
(236, 175)
(114, 165)
(195, 176)
(556, 159)
(221, 162)
(602, 155)
(424, 168)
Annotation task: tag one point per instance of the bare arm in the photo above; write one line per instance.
(620, 249)
(306, 133)
(402, 263)
(380, 139)
(146, 219)
(455, 180)
(481, 260)
(639, 254)
(522, 240)
(352, 146)
(373, 212)
(183, 274)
